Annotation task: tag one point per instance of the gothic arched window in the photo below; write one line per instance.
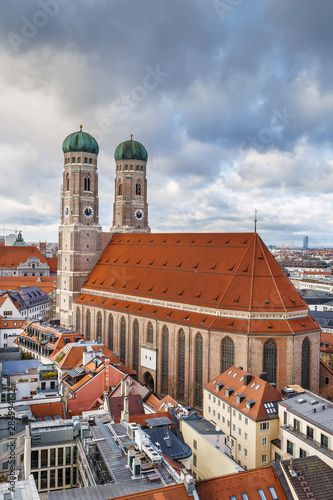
(99, 326)
(138, 188)
(181, 364)
(270, 361)
(136, 346)
(150, 333)
(165, 360)
(198, 369)
(78, 319)
(305, 382)
(88, 318)
(67, 183)
(227, 354)
(87, 183)
(123, 340)
(110, 333)
(120, 190)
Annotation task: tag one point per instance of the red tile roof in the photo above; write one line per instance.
(175, 269)
(13, 256)
(222, 488)
(257, 389)
(48, 409)
(45, 283)
(53, 264)
(177, 266)
(326, 342)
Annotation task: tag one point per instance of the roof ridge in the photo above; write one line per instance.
(253, 265)
(272, 276)
(234, 274)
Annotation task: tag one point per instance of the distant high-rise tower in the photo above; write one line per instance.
(79, 232)
(130, 209)
(305, 242)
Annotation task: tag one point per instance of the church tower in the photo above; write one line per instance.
(79, 232)
(130, 209)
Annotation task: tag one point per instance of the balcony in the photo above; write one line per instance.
(48, 375)
(306, 439)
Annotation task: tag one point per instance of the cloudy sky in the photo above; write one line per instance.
(233, 100)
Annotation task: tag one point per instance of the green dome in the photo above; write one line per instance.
(131, 150)
(80, 142)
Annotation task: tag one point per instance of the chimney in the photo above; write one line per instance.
(263, 376)
(240, 368)
(247, 378)
(122, 386)
(107, 374)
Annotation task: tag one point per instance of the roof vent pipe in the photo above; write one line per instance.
(263, 376)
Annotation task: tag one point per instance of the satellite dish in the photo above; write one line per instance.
(217, 428)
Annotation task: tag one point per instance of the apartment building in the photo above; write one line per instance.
(306, 428)
(246, 409)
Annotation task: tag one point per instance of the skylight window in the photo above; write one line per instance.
(273, 493)
(262, 495)
(229, 372)
(253, 385)
(234, 375)
(257, 387)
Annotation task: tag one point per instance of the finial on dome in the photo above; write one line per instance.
(81, 126)
(131, 137)
(255, 220)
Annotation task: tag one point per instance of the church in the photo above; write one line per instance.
(179, 308)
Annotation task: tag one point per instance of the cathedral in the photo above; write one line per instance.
(179, 308)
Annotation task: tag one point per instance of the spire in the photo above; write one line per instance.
(255, 220)
(131, 137)
(81, 126)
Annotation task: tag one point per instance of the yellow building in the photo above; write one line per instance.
(209, 451)
(246, 410)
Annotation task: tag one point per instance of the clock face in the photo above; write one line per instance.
(66, 211)
(88, 211)
(138, 214)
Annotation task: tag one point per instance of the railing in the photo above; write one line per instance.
(311, 442)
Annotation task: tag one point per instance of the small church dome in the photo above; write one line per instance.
(80, 141)
(131, 150)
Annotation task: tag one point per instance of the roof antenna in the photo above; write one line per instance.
(255, 220)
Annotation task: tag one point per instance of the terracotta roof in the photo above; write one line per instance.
(257, 390)
(45, 283)
(171, 492)
(48, 409)
(135, 406)
(157, 403)
(73, 355)
(223, 488)
(53, 264)
(5, 323)
(242, 273)
(12, 256)
(144, 417)
(203, 320)
(325, 365)
(326, 342)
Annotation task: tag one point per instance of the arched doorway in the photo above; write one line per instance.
(148, 381)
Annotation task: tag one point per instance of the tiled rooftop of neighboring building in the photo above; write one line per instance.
(249, 482)
(251, 395)
(311, 475)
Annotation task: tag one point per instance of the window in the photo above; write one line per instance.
(78, 319)
(233, 413)
(120, 189)
(138, 188)
(136, 346)
(150, 333)
(181, 364)
(245, 453)
(228, 423)
(198, 369)
(44, 458)
(297, 425)
(43, 480)
(90, 161)
(246, 421)
(285, 418)
(87, 183)
(68, 475)
(219, 416)
(245, 436)
(123, 340)
(88, 317)
(60, 456)
(264, 426)
(195, 444)
(277, 457)
(227, 354)
(34, 459)
(165, 360)
(213, 413)
(99, 326)
(305, 379)
(302, 453)
(209, 409)
(324, 441)
(273, 493)
(60, 477)
(290, 448)
(239, 431)
(309, 432)
(68, 455)
(270, 360)
(262, 495)
(239, 416)
(194, 460)
(4, 447)
(264, 442)
(233, 428)
(110, 333)
(67, 183)
(52, 478)
(239, 449)
(264, 458)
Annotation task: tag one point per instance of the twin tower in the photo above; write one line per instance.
(81, 239)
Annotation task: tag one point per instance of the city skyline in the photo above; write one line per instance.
(232, 100)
